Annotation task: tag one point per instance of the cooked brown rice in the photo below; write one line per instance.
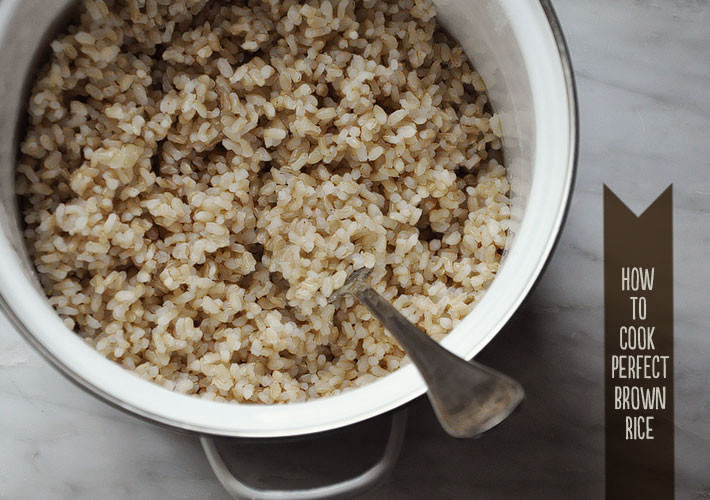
(198, 177)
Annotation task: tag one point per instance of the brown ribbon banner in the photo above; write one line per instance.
(638, 348)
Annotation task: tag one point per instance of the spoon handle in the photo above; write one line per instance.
(468, 398)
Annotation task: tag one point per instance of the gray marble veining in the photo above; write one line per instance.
(643, 72)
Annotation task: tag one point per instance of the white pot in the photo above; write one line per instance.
(518, 48)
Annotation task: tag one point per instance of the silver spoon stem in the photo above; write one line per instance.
(468, 398)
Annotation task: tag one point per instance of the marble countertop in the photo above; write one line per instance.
(643, 72)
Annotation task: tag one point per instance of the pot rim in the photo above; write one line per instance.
(407, 371)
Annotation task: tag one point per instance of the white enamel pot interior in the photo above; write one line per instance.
(517, 47)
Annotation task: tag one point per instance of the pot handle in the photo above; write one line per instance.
(349, 487)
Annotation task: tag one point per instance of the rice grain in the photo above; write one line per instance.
(198, 177)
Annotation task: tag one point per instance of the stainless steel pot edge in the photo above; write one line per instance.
(573, 104)
(561, 217)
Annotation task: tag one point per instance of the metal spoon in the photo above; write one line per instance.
(468, 398)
